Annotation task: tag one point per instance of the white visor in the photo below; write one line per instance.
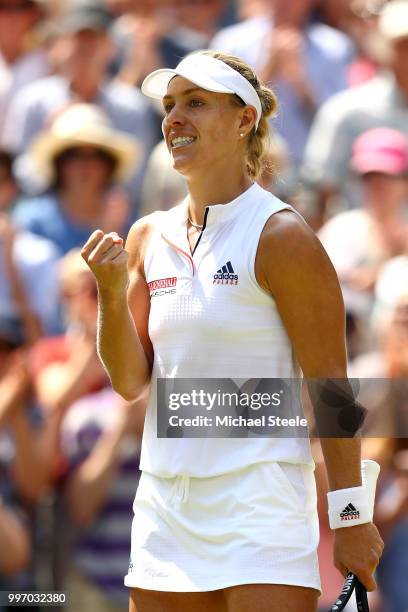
(206, 72)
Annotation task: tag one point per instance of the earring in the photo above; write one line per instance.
(241, 134)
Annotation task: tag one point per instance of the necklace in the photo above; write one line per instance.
(197, 227)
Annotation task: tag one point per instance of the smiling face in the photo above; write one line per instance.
(202, 128)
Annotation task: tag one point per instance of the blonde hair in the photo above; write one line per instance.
(258, 142)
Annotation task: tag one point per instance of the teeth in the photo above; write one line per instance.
(181, 141)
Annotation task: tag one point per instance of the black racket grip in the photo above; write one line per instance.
(361, 597)
(351, 584)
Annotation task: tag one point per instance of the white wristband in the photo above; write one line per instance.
(355, 505)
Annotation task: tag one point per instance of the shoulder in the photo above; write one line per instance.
(290, 254)
(286, 231)
(139, 237)
(145, 226)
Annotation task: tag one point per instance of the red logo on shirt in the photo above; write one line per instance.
(162, 283)
(162, 286)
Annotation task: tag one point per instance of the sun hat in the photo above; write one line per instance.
(83, 125)
(381, 150)
(393, 22)
(207, 72)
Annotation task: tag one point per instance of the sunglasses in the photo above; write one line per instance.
(18, 7)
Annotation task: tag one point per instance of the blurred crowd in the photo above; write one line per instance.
(80, 149)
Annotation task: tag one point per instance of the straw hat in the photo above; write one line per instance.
(83, 125)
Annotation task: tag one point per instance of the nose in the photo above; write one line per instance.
(174, 118)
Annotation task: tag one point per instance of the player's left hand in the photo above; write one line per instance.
(358, 549)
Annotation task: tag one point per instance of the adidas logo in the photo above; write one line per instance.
(349, 513)
(226, 275)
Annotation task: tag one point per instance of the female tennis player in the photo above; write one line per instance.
(231, 283)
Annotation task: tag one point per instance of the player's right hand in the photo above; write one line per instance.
(107, 258)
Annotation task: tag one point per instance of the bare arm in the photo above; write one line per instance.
(88, 487)
(28, 466)
(32, 326)
(124, 303)
(293, 266)
(14, 541)
(31, 465)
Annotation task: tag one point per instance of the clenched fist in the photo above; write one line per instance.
(107, 258)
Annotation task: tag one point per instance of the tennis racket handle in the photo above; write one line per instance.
(351, 584)
(346, 592)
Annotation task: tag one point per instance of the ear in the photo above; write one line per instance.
(248, 119)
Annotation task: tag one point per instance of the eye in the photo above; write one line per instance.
(167, 108)
(195, 103)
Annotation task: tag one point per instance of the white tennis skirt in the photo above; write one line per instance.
(256, 525)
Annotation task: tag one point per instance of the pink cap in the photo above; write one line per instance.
(381, 150)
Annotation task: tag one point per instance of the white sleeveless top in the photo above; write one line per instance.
(202, 327)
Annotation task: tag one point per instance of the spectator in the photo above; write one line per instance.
(359, 241)
(28, 279)
(304, 62)
(22, 60)
(100, 440)
(383, 376)
(87, 51)
(380, 102)
(19, 418)
(150, 37)
(79, 156)
(200, 16)
(21, 462)
(359, 20)
(392, 519)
